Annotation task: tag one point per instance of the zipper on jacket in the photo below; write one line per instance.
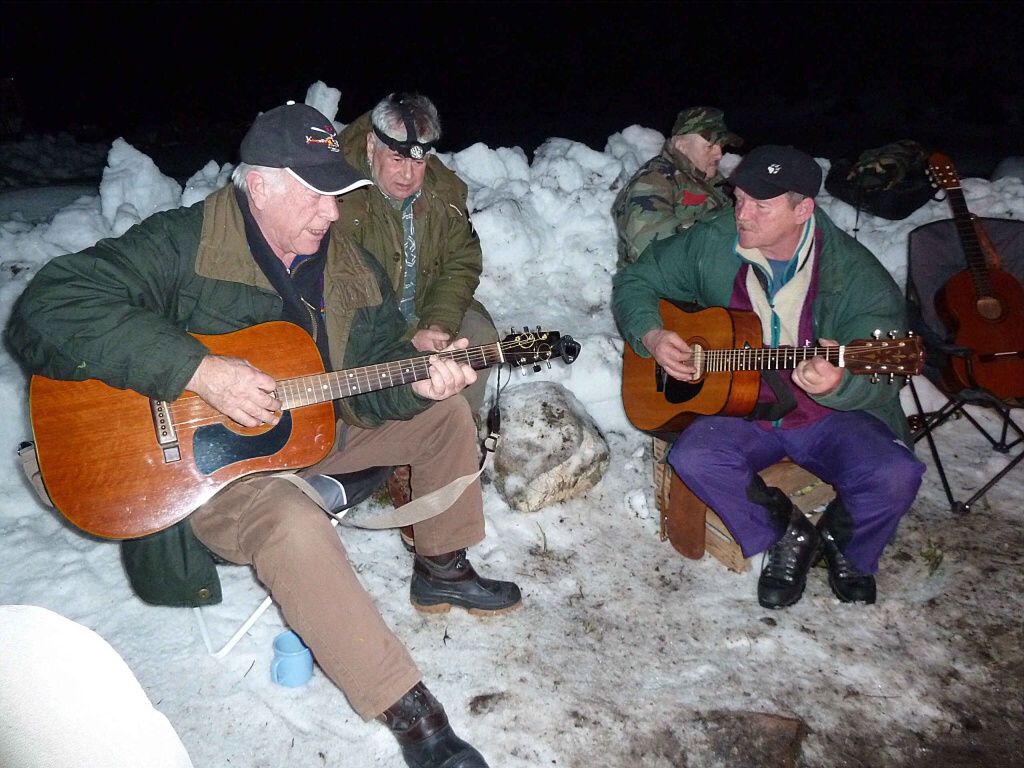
(312, 316)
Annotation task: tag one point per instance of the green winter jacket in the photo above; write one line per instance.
(856, 296)
(449, 258)
(121, 312)
(665, 196)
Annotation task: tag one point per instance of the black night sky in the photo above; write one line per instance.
(833, 78)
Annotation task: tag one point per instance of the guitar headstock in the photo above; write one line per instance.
(885, 357)
(536, 347)
(941, 172)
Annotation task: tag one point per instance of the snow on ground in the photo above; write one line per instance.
(624, 653)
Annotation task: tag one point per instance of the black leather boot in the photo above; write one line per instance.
(421, 727)
(440, 582)
(784, 573)
(848, 584)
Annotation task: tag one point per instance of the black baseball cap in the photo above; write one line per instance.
(301, 140)
(771, 170)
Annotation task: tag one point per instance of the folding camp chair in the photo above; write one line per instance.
(936, 254)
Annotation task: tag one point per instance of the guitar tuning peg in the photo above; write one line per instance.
(892, 378)
(874, 378)
(877, 334)
(894, 333)
(548, 364)
(536, 368)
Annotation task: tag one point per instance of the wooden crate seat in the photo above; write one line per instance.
(693, 528)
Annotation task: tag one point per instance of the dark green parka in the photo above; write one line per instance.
(122, 311)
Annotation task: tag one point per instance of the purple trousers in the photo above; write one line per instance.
(875, 475)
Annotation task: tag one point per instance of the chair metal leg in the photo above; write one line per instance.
(231, 643)
(926, 431)
(1002, 473)
(1001, 444)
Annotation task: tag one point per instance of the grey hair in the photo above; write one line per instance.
(795, 198)
(387, 117)
(274, 177)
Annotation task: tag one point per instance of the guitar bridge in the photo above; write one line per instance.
(166, 436)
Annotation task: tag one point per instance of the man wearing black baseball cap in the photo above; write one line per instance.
(266, 249)
(769, 171)
(301, 140)
(808, 283)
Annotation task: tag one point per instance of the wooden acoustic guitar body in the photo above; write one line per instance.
(657, 404)
(992, 326)
(106, 472)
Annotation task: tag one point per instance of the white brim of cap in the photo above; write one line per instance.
(341, 191)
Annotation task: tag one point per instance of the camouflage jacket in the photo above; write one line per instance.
(664, 197)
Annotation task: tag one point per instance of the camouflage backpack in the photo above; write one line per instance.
(890, 181)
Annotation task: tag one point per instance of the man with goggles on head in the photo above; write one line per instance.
(415, 222)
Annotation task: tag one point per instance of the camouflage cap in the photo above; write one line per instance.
(709, 122)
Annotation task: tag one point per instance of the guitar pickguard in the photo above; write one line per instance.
(677, 391)
(215, 446)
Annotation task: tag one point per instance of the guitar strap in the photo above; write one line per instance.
(786, 400)
(417, 510)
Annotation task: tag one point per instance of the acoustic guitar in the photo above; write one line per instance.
(729, 356)
(982, 306)
(120, 465)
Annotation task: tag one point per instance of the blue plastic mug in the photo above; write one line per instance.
(293, 661)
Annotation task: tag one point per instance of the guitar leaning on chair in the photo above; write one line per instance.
(983, 305)
(729, 356)
(120, 465)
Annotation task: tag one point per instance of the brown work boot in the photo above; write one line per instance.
(421, 727)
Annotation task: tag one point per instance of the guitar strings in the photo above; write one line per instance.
(761, 358)
(192, 410)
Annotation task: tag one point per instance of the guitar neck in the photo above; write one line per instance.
(763, 359)
(969, 241)
(320, 388)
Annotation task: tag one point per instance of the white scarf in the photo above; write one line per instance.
(786, 307)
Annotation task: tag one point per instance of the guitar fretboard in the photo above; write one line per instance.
(320, 388)
(783, 358)
(969, 241)
(945, 176)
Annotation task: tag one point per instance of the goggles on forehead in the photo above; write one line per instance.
(415, 149)
(411, 147)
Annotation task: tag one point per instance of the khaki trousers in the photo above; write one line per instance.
(270, 524)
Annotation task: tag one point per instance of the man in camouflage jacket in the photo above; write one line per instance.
(680, 186)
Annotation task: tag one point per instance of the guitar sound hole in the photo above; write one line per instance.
(990, 308)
